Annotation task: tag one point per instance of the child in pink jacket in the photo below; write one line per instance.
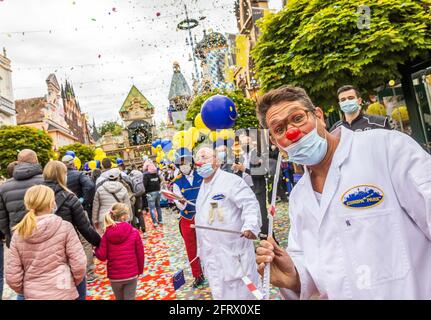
(122, 247)
(46, 260)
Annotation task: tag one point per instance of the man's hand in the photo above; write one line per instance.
(249, 235)
(238, 167)
(283, 271)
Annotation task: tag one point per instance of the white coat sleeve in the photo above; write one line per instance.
(294, 249)
(177, 191)
(244, 199)
(410, 169)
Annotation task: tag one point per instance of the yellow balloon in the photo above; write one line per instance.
(182, 139)
(171, 155)
(98, 151)
(153, 150)
(77, 163)
(177, 139)
(213, 136)
(92, 165)
(194, 133)
(114, 165)
(226, 134)
(100, 157)
(200, 125)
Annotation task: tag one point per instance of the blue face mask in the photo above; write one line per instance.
(349, 106)
(309, 150)
(221, 155)
(205, 170)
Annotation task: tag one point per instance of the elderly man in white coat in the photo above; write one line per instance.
(226, 202)
(361, 214)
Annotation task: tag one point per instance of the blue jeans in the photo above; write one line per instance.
(82, 289)
(154, 204)
(1, 268)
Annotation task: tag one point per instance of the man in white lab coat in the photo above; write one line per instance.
(361, 214)
(226, 202)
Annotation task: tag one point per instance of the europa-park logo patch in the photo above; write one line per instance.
(362, 197)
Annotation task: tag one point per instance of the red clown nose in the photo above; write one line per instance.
(293, 134)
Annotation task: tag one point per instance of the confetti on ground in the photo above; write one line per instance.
(164, 255)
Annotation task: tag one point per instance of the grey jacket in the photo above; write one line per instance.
(12, 192)
(104, 199)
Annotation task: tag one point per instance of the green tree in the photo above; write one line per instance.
(13, 139)
(84, 152)
(110, 126)
(245, 107)
(321, 45)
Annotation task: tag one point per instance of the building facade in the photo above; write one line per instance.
(74, 117)
(137, 114)
(247, 13)
(7, 106)
(46, 113)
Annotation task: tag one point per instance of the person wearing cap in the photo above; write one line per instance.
(80, 184)
(109, 193)
(225, 201)
(187, 185)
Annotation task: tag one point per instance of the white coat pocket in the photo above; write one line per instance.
(374, 245)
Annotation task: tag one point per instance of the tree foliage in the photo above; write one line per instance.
(246, 108)
(13, 139)
(84, 152)
(318, 45)
(110, 126)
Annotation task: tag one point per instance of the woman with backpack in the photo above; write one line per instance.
(70, 209)
(109, 192)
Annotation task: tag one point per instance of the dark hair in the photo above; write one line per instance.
(106, 163)
(283, 94)
(347, 88)
(96, 174)
(10, 167)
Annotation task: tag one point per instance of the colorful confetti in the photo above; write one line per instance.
(165, 255)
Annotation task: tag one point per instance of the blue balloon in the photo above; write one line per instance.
(119, 161)
(86, 167)
(70, 153)
(98, 165)
(219, 112)
(156, 143)
(166, 145)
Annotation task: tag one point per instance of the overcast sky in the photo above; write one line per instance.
(104, 46)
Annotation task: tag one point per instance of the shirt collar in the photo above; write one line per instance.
(359, 117)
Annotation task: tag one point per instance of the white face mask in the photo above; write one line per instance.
(309, 150)
(186, 168)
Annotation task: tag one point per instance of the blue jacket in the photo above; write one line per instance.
(190, 192)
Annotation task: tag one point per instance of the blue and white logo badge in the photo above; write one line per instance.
(219, 196)
(362, 197)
